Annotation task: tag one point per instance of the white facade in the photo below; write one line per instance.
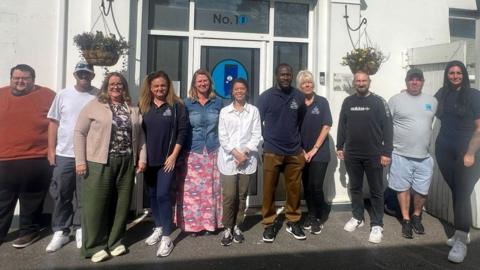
(40, 33)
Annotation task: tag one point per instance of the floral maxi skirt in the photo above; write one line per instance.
(199, 194)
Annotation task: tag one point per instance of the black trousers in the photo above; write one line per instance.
(313, 177)
(356, 168)
(460, 179)
(26, 180)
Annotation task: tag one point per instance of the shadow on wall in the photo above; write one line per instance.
(329, 183)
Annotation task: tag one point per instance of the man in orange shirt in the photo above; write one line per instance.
(24, 169)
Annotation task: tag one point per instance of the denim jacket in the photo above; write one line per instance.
(203, 125)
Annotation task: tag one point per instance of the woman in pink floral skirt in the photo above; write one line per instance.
(199, 201)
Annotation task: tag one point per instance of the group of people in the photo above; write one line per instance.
(373, 134)
(85, 146)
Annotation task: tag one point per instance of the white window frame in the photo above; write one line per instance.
(268, 39)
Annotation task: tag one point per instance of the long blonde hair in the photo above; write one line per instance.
(192, 92)
(146, 96)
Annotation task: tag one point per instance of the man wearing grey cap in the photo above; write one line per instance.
(65, 185)
(412, 166)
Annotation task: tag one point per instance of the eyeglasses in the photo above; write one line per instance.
(117, 85)
(16, 79)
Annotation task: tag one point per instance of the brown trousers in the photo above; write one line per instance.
(292, 170)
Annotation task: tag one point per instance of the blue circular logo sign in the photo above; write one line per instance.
(224, 73)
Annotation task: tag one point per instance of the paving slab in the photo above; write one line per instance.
(334, 248)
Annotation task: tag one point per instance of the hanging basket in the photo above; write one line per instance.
(100, 57)
(366, 59)
(370, 69)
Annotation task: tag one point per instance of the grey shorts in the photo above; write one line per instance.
(415, 173)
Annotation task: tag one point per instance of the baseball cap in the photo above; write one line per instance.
(82, 65)
(414, 72)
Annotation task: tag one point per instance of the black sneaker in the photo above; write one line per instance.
(238, 235)
(316, 227)
(307, 223)
(417, 224)
(296, 231)
(26, 240)
(407, 229)
(227, 238)
(269, 234)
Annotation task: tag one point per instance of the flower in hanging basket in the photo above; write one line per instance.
(99, 49)
(365, 59)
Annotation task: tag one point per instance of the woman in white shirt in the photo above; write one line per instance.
(240, 133)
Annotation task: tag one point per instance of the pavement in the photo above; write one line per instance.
(334, 248)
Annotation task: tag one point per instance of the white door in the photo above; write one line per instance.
(230, 59)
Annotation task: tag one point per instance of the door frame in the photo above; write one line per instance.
(198, 43)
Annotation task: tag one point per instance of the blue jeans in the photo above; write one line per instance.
(65, 191)
(158, 183)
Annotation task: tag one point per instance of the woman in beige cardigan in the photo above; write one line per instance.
(109, 143)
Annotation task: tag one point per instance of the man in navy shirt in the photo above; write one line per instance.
(282, 109)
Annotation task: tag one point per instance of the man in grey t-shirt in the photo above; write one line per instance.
(412, 166)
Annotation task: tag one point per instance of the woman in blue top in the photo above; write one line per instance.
(314, 132)
(456, 149)
(199, 201)
(165, 126)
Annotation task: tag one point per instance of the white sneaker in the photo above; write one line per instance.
(353, 224)
(155, 237)
(458, 252)
(451, 241)
(57, 242)
(165, 248)
(100, 256)
(376, 235)
(119, 250)
(78, 237)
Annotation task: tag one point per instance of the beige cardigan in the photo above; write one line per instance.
(93, 130)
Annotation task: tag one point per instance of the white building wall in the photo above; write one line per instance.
(28, 31)
(339, 45)
(395, 26)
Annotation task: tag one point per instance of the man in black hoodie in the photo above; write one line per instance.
(364, 142)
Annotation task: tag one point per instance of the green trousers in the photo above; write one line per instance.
(234, 191)
(107, 192)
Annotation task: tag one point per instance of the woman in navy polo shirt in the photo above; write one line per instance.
(199, 201)
(314, 132)
(165, 126)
